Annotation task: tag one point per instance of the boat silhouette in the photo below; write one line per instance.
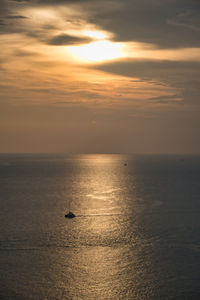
(70, 215)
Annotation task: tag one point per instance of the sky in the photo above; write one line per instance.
(88, 76)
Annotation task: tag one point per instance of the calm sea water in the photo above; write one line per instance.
(136, 234)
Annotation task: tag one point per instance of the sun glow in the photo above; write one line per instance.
(97, 51)
(96, 34)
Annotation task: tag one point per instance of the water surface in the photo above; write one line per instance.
(136, 234)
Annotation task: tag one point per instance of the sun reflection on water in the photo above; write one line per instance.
(99, 185)
(99, 233)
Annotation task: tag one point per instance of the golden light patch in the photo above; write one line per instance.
(97, 51)
(96, 34)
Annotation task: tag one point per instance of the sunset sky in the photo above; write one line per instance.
(119, 76)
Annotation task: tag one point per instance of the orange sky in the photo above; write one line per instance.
(88, 77)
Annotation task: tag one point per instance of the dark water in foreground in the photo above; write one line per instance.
(136, 234)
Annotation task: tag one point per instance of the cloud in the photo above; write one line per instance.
(167, 99)
(11, 20)
(58, 2)
(148, 69)
(184, 76)
(166, 24)
(4, 7)
(65, 39)
(153, 22)
(45, 21)
(16, 17)
(22, 53)
(2, 23)
(160, 23)
(20, 1)
(50, 2)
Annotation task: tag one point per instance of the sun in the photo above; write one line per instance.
(97, 51)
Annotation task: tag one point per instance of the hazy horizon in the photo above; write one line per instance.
(101, 153)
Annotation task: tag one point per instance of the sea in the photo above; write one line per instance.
(136, 234)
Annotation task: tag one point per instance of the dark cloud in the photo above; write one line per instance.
(23, 53)
(12, 21)
(50, 2)
(149, 69)
(167, 99)
(10, 17)
(184, 76)
(16, 17)
(163, 23)
(53, 2)
(65, 39)
(2, 23)
(21, 1)
(4, 7)
(74, 103)
(167, 24)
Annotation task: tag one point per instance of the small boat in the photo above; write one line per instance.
(70, 215)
